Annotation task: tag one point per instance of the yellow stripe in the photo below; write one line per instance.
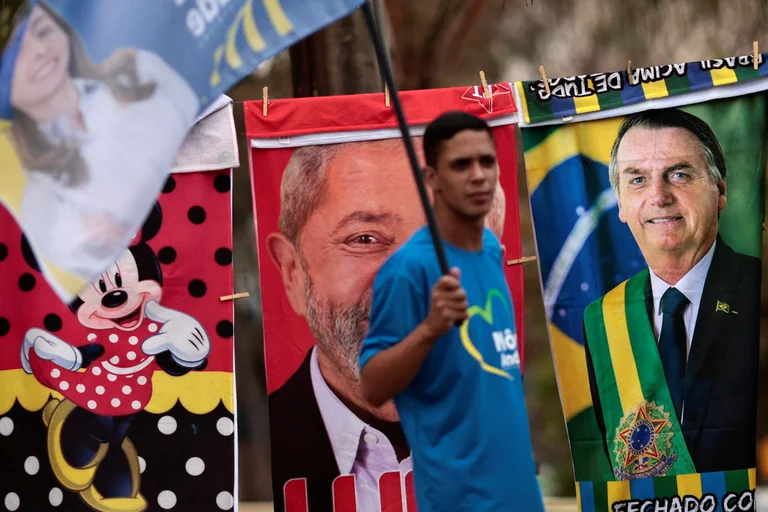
(523, 104)
(578, 494)
(571, 368)
(12, 179)
(752, 478)
(278, 17)
(199, 392)
(17, 384)
(723, 76)
(466, 340)
(620, 348)
(559, 146)
(593, 140)
(689, 485)
(657, 89)
(618, 491)
(586, 104)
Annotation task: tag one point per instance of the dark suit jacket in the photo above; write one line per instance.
(720, 398)
(299, 442)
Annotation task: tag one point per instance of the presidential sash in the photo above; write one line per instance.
(643, 433)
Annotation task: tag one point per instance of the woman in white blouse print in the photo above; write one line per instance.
(89, 137)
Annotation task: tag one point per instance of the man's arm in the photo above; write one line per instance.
(392, 370)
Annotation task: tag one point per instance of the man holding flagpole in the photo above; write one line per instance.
(457, 388)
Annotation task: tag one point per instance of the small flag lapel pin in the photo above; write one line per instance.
(722, 306)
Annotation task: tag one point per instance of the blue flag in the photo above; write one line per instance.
(96, 99)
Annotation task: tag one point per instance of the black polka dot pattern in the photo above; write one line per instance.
(223, 256)
(166, 255)
(196, 215)
(52, 322)
(197, 288)
(169, 186)
(183, 457)
(190, 467)
(224, 329)
(27, 282)
(222, 183)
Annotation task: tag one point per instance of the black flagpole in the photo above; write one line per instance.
(386, 70)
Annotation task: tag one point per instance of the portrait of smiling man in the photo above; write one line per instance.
(672, 352)
(345, 208)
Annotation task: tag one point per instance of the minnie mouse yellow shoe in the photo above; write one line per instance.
(55, 413)
(134, 503)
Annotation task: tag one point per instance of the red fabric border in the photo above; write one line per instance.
(288, 117)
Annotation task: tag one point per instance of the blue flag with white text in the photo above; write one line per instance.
(96, 99)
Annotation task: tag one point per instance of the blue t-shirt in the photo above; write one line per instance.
(464, 414)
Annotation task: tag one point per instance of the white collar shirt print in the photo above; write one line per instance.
(360, 449)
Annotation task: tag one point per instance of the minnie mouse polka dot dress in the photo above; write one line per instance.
(117, 383)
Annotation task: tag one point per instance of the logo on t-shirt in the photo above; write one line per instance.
(488, 342)
(505, 343)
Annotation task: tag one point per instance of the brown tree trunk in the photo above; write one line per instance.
(351, 59)
(338, 60)
(308, 72)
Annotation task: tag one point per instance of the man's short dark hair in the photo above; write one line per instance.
(673, 118)
(445, 127)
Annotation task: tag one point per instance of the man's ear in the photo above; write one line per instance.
(286, 258)
(622, 217)
(722, 199)
(430, 177)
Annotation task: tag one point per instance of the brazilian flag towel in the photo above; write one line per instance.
(630, 450)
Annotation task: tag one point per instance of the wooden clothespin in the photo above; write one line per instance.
(486, 90)
(521, 260)
(386, 96)
(544, 78)
(234, 297)
(265, 97)
(754, 54)
(629, 72)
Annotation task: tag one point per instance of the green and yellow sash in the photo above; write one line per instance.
(643, 433)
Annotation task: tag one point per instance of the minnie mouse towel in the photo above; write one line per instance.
(123, 399)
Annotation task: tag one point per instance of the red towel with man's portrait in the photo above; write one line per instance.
(334, 196)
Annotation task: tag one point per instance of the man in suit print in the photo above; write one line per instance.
(701, 298)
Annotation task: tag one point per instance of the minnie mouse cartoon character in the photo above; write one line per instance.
(106, 377)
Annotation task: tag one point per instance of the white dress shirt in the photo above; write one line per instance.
(691, 285)
(360, 449)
